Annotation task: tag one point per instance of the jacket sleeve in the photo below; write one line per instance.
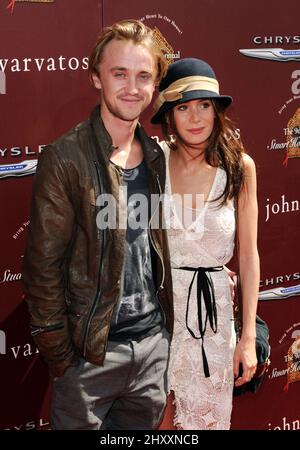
(44, 271)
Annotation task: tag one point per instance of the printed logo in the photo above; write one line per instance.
(8, 276)
(48, 64)
(279, 293)
(167, 49)
(24, 350)
(18, 351)
(291, 369)
(293, 138)
(274, 54)
(23, 152)
(286, 425)
(21, 230)
(276, 40)
(275, 281)
(293, 360)
(18, 170)
(289, 142)
(36, 424)
(283, 206)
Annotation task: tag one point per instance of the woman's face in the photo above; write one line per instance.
(194, 121)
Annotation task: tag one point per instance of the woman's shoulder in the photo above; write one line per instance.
(248, 162)
(249, 166)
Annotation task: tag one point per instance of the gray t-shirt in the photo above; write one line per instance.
(137, 314)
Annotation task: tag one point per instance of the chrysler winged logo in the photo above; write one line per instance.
(279, 293)
(275, 54)
(18, 170)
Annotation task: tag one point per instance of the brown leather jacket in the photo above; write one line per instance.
(72, 269)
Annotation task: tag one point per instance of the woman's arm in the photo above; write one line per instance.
(249, 272)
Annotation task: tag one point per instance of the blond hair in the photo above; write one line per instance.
(128, 30)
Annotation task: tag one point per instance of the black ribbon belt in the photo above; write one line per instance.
(205, 290)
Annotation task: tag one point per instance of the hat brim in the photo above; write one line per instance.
(223, 100)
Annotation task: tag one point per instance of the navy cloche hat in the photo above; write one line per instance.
(187, 79)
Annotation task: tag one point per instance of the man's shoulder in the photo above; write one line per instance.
(69, 152)
(69, 145)
(72, 136)
(144, 136)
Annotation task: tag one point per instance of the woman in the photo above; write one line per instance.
(205, 161)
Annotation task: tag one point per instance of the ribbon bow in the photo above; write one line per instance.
(205, 290)
(194, 83)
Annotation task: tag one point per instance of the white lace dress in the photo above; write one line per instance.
(201, 402)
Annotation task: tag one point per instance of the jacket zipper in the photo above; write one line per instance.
(38, 330)
(151, 238)
(98, 292)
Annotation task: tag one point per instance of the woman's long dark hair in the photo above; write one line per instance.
(224, 149)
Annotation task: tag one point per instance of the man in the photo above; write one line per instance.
(100, 296)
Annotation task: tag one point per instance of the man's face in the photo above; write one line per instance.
(127, 80)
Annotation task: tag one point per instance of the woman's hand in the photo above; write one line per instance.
(244, 355)
(231, 276)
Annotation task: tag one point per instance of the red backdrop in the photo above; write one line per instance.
(43, 51)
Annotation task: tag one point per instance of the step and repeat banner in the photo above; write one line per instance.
(44, 90)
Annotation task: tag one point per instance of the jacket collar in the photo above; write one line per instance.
(102, 136)
(150, 148)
